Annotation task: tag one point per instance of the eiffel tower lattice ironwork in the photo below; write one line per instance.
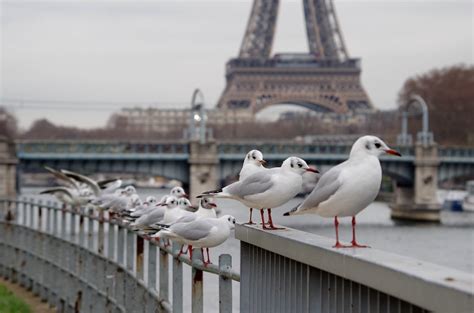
(326, 79)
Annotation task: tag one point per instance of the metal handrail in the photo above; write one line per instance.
(130, 259)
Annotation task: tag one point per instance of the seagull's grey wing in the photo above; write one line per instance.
(54, 190)
(188, 218)
(327, 186)
(254, 184)
(84, 179)
(59, 175)
(111, 183)
(196, 230)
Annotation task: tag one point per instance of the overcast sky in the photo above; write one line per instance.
(99, 55)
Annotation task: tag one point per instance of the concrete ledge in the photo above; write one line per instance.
(432, 287)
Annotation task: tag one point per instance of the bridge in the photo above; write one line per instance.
(205, 166)
(80, 261)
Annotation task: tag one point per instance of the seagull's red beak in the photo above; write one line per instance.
(186, 195)
(312, 170)
(213, 204)
(263, 162)
(393, 152)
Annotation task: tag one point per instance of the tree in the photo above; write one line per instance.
(8, 124)
(449, 94)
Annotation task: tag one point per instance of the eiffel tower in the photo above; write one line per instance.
(326, 79)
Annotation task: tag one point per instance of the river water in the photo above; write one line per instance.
(450, 246)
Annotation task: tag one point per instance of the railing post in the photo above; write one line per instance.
(81, 230)
(48, 217)
(225, 284)
(101, 233)
(151, 265)
(90, 230)
(177, 281)
(63, 221)
(197, 303)
(140, 242)
(55, 220)
(130, 249)
(72, 227)
(121, 236)
(39, 215)
(164, 276)
(111, 240)
(31, 223)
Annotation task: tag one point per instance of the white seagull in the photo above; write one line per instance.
(201, 233)
(267, 189)
(349, 187)
(253, 163)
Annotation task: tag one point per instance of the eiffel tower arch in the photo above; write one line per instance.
(325, 79)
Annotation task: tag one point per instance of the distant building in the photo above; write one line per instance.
(169, 120)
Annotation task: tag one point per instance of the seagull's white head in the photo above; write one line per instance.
(171, 202)
(255, 157)
(207, 203)
(130, 190)
(230, 220)
(371, 145)
(178, 192)
(150, 200)
(185, 204)
(297, 165)
(135, 200)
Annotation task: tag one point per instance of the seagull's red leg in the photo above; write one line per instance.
(336, 225)
(208, 257)
(181, 251)
(190, 249)
(354, 242)
(263, 219)
(270, 221)
(250, 222)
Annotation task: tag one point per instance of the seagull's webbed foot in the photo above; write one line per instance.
(354, 244)
(340, 245)
(270, 222)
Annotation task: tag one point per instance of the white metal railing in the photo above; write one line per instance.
(82, 262)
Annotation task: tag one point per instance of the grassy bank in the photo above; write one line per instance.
(11, 304)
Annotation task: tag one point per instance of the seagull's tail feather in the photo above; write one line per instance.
(292, 211)
(210, 193)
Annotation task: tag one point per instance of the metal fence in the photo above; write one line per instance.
(82, 262)
(294, 271)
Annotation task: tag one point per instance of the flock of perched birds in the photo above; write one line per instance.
(343, 191)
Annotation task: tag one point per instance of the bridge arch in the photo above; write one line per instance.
(325, 103)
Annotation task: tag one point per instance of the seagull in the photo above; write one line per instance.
(177, 192)
(173, 212)
(267, 189)
(253, 163)
(147, 206)
(151, 218)
(206, 208)
(349, 187)
(202, 233)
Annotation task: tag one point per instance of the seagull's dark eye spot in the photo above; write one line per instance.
(300, 165)
(377, 145)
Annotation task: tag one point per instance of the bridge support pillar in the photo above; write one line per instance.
(8, 163)
(203, 168)
(420, 202)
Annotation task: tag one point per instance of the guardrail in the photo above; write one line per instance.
(295, 271)
(81, 262)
